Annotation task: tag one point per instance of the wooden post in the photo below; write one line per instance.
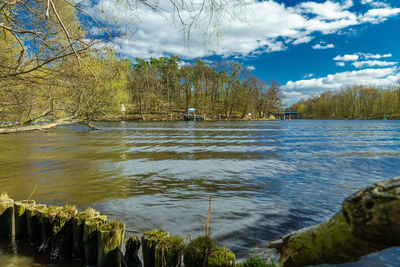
(6, 217)
(132, 246)
(149, 242)
(168, 251)
(91, 228)
(21, 220)
(110, 241)
(57, 230)
(221, 257)
(78, 251)
(368, 222)
(196, 253)
(33, 215)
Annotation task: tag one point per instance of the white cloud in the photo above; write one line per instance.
(378, 15)
(353, 57)
(323, 46)
(372, 63)
(267, 26)
(377, 56)
(340, 64)
(384, 77)
(374, 3)
(251, 67)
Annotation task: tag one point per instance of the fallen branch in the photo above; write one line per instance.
(37, 126)
(368, 222)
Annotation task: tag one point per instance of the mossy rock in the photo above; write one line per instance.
(168, 251)
(132, 246)
(110, 238)
(221, 257)
(196, 253)
(149, 242)
(21, 220)
(6, 216)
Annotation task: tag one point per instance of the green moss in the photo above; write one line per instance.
(58, 216)
(91, 228)
(6, 216)
(168, 251)
(78, 231)
(5, 202)
(196, 253)
(221, 257)
(149, 242)
(257, 261)
(110, 240)
(20, 217)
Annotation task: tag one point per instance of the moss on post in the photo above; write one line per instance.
(196, 253)
(111, 238)
(78, 250)
(369, 222)
(57, 230)
(91, 228)
(221, 257)
(6, 216)
(33, 215)
(132, 246)
(149, 242)
(20, 218)
(168, 251)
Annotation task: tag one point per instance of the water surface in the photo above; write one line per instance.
(266, 179)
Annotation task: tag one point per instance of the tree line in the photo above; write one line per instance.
(355, 102)
(228, 90)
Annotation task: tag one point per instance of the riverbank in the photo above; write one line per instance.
(174, 117)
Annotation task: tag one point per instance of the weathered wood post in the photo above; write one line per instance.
(196, 253)
(91, 228)
(149, 242)
(20, 219)
(33, 215)
(57, 230)
(222, 257)
(368, 222)
(111, 239)
(78, 250)
(6, 216)
(168, 251)
(132, 246)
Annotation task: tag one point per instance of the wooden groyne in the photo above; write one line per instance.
(87, 236)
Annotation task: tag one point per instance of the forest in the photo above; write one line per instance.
(355, 102)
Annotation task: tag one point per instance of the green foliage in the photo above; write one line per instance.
(257, 261)
(357, 102)
(196, 253)
(221, 257)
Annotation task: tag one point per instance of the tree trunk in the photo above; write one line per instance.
(44, 127)
(368, 222)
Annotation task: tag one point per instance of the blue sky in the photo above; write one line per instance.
(307, 46)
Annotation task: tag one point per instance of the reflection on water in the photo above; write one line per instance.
(266, 178)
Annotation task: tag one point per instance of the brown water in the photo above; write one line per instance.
(265, 178)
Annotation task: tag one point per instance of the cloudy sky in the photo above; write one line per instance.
(308, 46)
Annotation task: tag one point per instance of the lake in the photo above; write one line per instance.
(266, 178)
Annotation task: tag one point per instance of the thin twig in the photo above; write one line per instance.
(32, 192)
(208, 218)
